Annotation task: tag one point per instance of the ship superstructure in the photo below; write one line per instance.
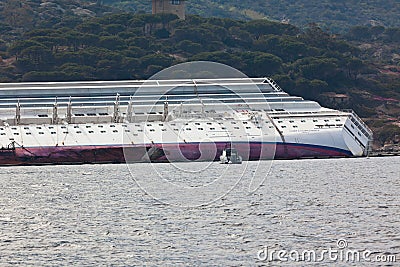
(169, 120)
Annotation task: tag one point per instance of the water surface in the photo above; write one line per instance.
(91, 215)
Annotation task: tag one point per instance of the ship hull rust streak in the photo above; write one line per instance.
(171, 152)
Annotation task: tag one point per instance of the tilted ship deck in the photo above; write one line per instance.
(169, 120)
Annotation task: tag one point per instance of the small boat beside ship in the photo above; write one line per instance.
(230, 156)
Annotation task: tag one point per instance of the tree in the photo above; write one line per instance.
(114, 29)
(17, 14)
(36, 58)
(261, 64)
(17, 47)
(355, 67)
(112, 43)
(189, 47)
(265, 27)
(319, 68)
(90, 26)
(156, 60)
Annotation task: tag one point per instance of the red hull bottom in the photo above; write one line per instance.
(162, 153)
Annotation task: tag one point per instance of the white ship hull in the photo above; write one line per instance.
(34, 132)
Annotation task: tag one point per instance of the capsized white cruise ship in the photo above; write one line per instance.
(169, 120)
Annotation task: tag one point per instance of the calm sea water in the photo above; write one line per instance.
(97, 215)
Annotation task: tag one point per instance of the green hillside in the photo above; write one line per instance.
(336, 15)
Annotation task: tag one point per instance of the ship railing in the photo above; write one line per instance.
(334, 113)
(196, 114)
(274, 84)
(359, 122)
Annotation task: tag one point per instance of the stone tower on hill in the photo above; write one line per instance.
(176, 7)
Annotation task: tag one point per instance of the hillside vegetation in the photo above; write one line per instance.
(337, 16)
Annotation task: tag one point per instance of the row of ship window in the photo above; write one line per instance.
(314, 120)
(161, 124)
(116, 131)
(173, 124)
(78, 132)
(78, 114)
(62, 127)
